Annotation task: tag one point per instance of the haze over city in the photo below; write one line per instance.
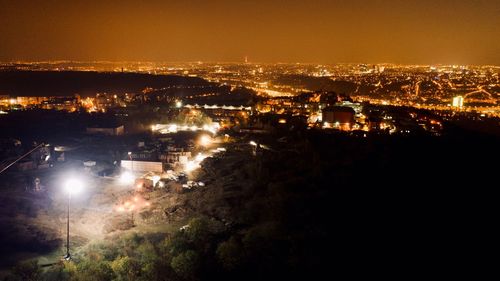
(380, 31)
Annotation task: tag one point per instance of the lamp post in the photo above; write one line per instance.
(131, 161)
(72, 186)
(255, 146)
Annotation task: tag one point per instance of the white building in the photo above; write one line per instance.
(457, 101)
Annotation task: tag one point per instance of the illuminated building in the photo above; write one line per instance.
(67, 103)
(107, 130)
(142, 166)
(458, 101)
(357, 107)
(340, 116)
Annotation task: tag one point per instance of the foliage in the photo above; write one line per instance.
(186, 264)
(25, 271)
(93, 270)
(230, 254)
(126, 268)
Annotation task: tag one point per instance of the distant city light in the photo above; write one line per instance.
(458, 101)
(174, 128)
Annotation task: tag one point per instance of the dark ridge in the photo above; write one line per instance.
(317, 83)
(85, 83)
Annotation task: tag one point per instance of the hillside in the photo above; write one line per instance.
(62, 83)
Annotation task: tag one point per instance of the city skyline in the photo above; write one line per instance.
(423, 32)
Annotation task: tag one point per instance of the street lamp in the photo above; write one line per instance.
(72, 186)
(131, 161)
(255, 146)
(205, 140)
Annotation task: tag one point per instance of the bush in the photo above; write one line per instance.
(198, 230)
(186, 264)
(92, 270)
(25, 271)
(230, 254)
(126, 268)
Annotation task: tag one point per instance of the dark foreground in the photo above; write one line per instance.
(317, 203)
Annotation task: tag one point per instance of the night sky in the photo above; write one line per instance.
(330, 31)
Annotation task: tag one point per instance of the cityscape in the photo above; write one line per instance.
(145, 160)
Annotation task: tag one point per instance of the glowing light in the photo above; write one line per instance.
(458, 101)
(191, 166)
(213, 128)
(73, 186)
(178, 104)
(172, 128)
(155, 179)
(200, 157)
(205, 140)
(253, 143)
(282, 121)
(127, 178)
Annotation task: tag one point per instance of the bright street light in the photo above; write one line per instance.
(205, 140)
(71, 186)
(127, 178)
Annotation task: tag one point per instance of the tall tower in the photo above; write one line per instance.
(246, 59)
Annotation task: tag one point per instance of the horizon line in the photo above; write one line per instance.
(243, 62)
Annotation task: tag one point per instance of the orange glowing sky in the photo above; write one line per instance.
(371, 31)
